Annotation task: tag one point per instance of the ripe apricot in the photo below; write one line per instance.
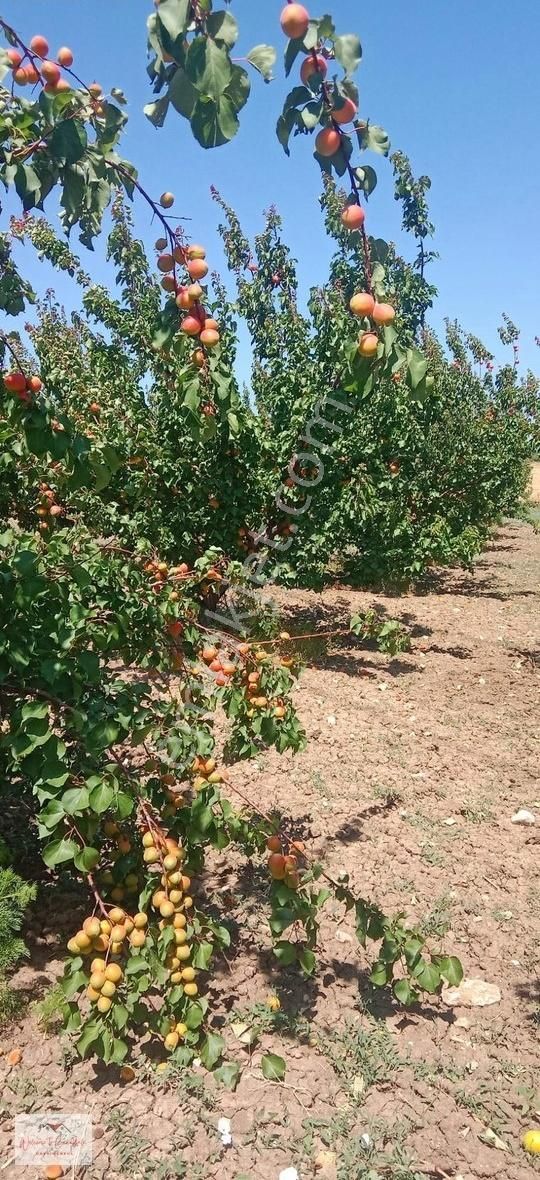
(116, 916)
(191, 326)
(20, 76)
(14, 57)
(114, 972)
(197, 268)
(209, 337)
(353, 217)
(150, 856)
(368, 344)
(65, 57)
(160, 244)
(92, 994)
(294, 21)
(82, 940)
(183, 952)
(189, 975)
(148, 840)
(108, 988)
(137, 938)
(196, 252)
(166, 909)
(313, 65)
(32, 73)
(362, 304)
(53, 1172)
(165, 263)
(191, 990)
(276, 866)
(168, 283)
(273, 844)
(15, 382)
(104, 1004)
(180, 921)
(98, 965)
(34, 384)
(39, 45)
(171, 1040)
(140, 921)
(97, 979)
(345, 113)
(328, 141)
(50, 72)
(166, 200)
(383, 313)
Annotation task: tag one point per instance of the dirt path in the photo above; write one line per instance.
(535, 483)
(413, 770)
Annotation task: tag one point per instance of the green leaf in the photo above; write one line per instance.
(418, 367)
(273, 1067)
(208, 65)
(307, 960)
(87, 859)
(451, 968)
(183, 94)
(348, 51)
(75, 800)
(229, 1074)
(374, 138)
(202, 956)
(68, 141)
(174, 16)
(211, 1050)
(59, 851)
(403, 991)
(101, 797)
(285, 953)
(263, 59)
(156, 112)
(223, 27)
(90, 1034)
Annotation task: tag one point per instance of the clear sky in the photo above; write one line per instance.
(455, 83)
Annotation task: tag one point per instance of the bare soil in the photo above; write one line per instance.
(413, 770)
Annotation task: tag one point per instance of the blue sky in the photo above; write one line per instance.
(457, 86)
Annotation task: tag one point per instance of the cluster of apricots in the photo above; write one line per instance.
(249, 664)
(206, 773)
(21, 386)
(108, 937)
(162, 575)
(47, 508)
(173, 903)
(188, 296)
(364, 305)
(33, 66)
(283, 866)
(295, 23)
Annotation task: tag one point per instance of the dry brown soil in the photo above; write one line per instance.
(413, 770)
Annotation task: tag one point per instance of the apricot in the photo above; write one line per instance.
(294, 21)
(345, 113)
(104, 1004)
(368, 344)
(50, 72)
(168, 284)
(196, 252)
(383, 313)
(65, 57)
(114, 973)
(166, 200)
(209, 337)
(191, 326)
(197, 268)
(32, 73)
(160, 244)
(116, 916)
(15, 382)
(34, 384)
(137, 938)
(20, 76)
(39, 45)
(313, 65)
(273, 844)
(14, 58)
(183, 299)
(353, 217)
(362, 303)
(148, 840)
(191, 990)
(328, 141)
(276, 866)
(108, 989)
(165, 262)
